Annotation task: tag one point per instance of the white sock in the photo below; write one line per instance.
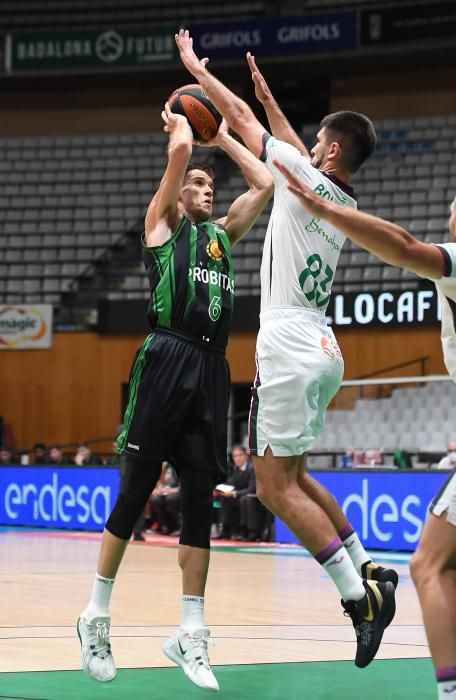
(447, 690)
(101, 595)
(192, 613)
(356, 551)
(342, 571)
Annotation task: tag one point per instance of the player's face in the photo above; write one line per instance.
(320, 151)
(452, 221)
(197, 194)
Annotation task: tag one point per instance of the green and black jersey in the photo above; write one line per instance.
(192, 282)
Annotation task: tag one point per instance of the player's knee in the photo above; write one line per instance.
(197, 516)
(125, 513)
(423, 568)
(268, 495)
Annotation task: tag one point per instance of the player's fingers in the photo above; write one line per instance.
(204, 62)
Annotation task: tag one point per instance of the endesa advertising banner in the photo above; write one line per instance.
(387, 509)
(73, 498)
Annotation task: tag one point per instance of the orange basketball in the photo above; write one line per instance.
(192, 102)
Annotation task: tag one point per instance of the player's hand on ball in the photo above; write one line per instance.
(174, 121)
(221, 134)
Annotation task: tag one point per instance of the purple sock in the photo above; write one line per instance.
(346, 532)
(446, 674)
(328, 551)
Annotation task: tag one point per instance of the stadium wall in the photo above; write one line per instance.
(73, 391)
(397, 94)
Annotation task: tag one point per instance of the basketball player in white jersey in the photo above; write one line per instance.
(433, 566)
(299, 363)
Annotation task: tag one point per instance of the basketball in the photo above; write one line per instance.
(192, 102)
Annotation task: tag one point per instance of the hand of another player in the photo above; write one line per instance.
(312, 202)
(174, 122)
(262, 91)
(189, 58)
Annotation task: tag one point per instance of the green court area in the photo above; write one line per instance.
(398, 679)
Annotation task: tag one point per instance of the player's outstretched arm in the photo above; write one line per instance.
(236, 112)
(246, 209)
(389, 242)
(162, 214)
(278, 123)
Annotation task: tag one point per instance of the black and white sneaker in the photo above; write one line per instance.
(189, 651)
(96, 656)
(370, 616)
(374, 572)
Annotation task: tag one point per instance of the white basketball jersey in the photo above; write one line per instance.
(446, 289)
(300, 251)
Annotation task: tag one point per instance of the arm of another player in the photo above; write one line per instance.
(278, 123)
(246, 209)
(236, 112)
(162, 215)
(389, 242)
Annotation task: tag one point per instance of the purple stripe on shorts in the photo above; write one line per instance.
(254, 415)
(446, 674)
(346, 532)
(328, 551)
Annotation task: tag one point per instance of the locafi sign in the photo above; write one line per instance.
(73, 498)
(397, 308)
(23, 327)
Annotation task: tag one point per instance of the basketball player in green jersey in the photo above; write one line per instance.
(433, 565)
(299, 363)
(179, 387)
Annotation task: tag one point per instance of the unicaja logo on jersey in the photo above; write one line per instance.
(213, 251)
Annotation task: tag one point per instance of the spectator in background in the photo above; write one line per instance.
(449, 461)
(40, 455)
(85, 458)
(56, 456)
(166, 501)
(255, 517)
(6, 456)
(230, 511)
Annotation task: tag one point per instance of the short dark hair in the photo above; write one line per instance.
(355, 134)
(205, 167)
(39, 446)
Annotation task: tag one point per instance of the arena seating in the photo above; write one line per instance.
(31, 15)
(68, 202)
(414, 418)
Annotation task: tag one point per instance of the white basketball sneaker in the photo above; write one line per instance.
(96, 656)
(189, 650)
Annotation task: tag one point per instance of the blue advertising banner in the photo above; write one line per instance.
(387, 509)
(321, 33)
(75, 498)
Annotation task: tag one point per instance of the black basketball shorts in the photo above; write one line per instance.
(178, 404)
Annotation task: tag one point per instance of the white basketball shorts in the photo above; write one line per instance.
(299, 370)
(445, 500)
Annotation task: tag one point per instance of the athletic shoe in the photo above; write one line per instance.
(96, 656)
(189, 651)
(370, 616)
(373, 572)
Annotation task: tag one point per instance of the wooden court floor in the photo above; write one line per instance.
(267, 609)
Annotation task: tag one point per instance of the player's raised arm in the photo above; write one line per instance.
(389, 242)
(278, 123)
(164, 205)
(245, 210)
(236, 112)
